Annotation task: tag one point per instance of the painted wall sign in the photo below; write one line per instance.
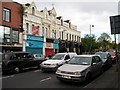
(35, 30)
(35, 38)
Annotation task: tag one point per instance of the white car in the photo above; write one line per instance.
(80, 68)
(56, 61)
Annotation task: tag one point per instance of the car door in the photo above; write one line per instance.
(25, 62)
(93, 66)
(98, 64)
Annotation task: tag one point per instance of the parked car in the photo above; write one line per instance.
(56, 61)
(113, 57)
(106, 58)
(16, 61)
(80, 68)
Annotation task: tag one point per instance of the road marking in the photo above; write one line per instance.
(37, 70)
(45, 79)
(7, 77)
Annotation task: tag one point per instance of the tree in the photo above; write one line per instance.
(89, 43)
(104, 41)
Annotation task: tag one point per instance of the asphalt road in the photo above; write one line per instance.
(36, 79)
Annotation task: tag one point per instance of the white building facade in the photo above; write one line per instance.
(47, 34)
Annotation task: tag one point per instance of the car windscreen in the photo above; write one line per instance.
(80, 61)
(58, 57)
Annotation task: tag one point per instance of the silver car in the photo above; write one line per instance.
(80, 68)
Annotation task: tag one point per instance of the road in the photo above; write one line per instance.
(38, 79)
(35, 79)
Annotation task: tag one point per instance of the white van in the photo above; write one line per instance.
(56, 61)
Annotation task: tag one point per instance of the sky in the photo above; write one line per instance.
(83, 13)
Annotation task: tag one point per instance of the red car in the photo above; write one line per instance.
(113, 57)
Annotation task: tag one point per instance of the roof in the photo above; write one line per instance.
(85, 55)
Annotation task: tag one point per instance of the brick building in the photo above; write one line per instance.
(10, 26)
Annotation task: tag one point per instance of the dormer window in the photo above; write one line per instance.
(33, 10)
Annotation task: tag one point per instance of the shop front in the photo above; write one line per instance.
(34, 44)
(49, 51)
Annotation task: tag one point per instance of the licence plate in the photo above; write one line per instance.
(67, 77)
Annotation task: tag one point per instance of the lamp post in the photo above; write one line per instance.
(90, 35)
(91, 28)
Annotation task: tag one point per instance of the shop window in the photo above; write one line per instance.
(1, 33)
(6, 15)
(15, 35)
(6, 34)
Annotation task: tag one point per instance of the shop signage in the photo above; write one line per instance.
(55, 46)
(34, 44)
(35, 38)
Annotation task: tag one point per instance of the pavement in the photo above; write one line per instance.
(109, 79)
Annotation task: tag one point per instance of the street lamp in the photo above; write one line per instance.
(90, 28)
(90, 35)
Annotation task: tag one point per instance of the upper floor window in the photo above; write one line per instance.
(27, 27)
(70, 37)
(6, 15)
(73, 37)
(33, 10)
(67, 36)
(42, 31)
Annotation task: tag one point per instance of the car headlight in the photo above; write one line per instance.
(77, 73)
(58, 71)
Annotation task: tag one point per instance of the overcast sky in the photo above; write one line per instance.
(83, 13)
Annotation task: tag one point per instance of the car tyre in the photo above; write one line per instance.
(88, 78)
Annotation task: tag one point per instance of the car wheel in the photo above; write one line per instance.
(16, 70)
(88, 78)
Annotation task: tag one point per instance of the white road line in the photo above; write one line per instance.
(37, 71)
(7, 77)
(45, 79)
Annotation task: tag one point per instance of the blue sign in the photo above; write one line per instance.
(55, 46)
(35, 38)
(34, 44)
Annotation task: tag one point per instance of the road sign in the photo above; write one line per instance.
(115, 24)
